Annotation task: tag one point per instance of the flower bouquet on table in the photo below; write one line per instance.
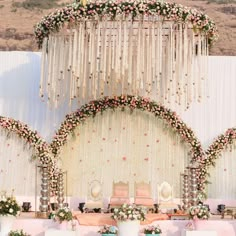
(128, 219)
(18, 233)
(128, 212)
(108, 230)
(65, 219)
(63, 214)
(9, 206)
(199, 212)
(152, 230)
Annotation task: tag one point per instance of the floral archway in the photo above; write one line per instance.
(41, 149)
(215, 150)
(91, 109)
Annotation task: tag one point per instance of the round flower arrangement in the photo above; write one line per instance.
(199, 212)
(18, 233)
(152, 229)
(128, 212)
(9, 206)
(108, 229)
(63, 214)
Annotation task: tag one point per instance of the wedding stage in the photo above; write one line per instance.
(89, 224)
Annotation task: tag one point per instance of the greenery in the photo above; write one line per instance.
(152, 229)
(18, 233)
(128, 212)
(41, 4)
(73, 13)
(108, 229)
(9, 206)
(199, 212)
(63, 214)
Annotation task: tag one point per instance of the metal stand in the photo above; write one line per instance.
(186, 190)
(60, 188)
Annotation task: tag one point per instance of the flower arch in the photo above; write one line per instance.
(92, 108)
(215, 150)
(42, 151)
(31, 137)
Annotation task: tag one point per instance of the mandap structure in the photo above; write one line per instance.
(152, 49)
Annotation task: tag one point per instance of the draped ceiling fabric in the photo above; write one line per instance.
(120, 146)
(19, 86)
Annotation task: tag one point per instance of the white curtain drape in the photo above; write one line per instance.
(19, 99)
(223, 176)
(120, 146)
(17, 169)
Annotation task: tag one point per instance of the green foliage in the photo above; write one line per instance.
(40, 4)
(18, 233)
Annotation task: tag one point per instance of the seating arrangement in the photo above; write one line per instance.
(120, 194)
(94, 201)
(165, 197)
(143, 195)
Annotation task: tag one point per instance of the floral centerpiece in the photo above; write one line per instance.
(199, 212)
(18, 233)
(108, 229)
(152, 230)
(9, 206)
(128, 219)
(63, 214)
(128, 212)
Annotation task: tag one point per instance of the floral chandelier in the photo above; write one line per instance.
(105, 48)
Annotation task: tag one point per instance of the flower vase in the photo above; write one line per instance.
(152, 234)
(6, 223)
(108, 234)
(64, 225)
(128, 228)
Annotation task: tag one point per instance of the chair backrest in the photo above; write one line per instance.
(95, 190)
(165, 192)
(121, 189)
(142, 190)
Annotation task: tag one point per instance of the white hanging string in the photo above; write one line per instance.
(123, 56)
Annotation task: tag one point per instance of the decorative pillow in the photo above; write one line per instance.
(119, 192)
(144, 201)
(96, 190)
(142, 193)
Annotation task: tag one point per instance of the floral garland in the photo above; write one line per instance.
(133, 102)
(214, 152)
(75, 12)
(41, 148)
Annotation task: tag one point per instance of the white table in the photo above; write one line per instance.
(199, 233)
(56, 232)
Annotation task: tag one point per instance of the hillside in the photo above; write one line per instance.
(17, 20)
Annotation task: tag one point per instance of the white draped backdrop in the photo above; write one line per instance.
(19, 99)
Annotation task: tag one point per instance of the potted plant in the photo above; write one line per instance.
(63, 216)
(18, 233)
(128, 219)
(108, 230)
(9, 209)
(152, 230)
(199, 212)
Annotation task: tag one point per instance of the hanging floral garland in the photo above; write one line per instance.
(113, 9)
(133, 102)
(214, 152)
(42, 151)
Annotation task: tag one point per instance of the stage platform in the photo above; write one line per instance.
(38, 227)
